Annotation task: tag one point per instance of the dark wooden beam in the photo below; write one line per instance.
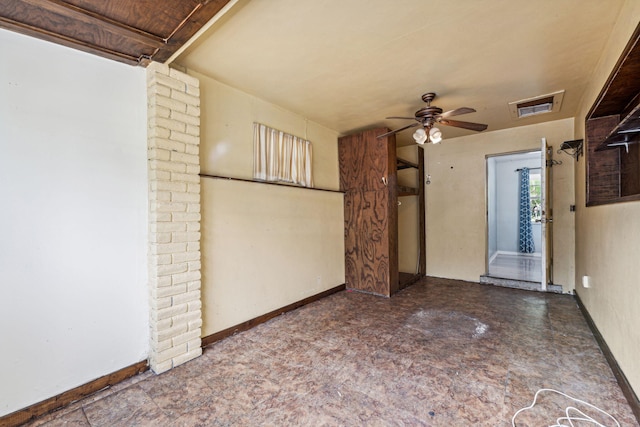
(53, 37)
(86, 17)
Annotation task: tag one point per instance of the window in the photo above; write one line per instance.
(535, 195)
(281, 157)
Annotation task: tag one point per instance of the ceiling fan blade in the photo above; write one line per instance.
(465, 125)
(457, 112)
(403, 118)
(399, 130)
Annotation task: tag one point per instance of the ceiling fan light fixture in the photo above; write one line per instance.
(420, 136)
(435, 135)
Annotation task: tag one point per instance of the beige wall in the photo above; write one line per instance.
(266, 246)
(263, 246)
(607, 237)
(227, 133)
(73, 257)
(456, 200)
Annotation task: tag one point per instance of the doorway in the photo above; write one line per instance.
(514, 216)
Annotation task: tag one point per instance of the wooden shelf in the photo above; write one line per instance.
(405, 164)
(626, 132)
(404, 190)
(407, 191)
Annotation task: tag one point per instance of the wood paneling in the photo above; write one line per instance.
(134, 32)
(367, 241)
(629, 171)
(364, 161)
(371, 211)
(368, 177)
(603, 176)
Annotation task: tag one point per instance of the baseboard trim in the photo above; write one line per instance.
(56, 402)
(61, 400)
(244, 326)
(611, 360)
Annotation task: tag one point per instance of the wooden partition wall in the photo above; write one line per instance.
(368, 178)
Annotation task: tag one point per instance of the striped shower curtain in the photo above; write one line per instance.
(525, 239)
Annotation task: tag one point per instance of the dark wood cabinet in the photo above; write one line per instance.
(612, 133)
(368, 176)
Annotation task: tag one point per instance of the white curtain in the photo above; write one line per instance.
(279, 156)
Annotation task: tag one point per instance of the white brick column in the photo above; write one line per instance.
(174, 217)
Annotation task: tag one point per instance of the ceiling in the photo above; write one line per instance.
(349, 64)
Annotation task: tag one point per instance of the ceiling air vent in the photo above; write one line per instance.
(549, 103)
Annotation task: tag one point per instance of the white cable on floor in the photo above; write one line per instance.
(569, 418)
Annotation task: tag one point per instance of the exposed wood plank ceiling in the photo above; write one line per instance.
(130, 31)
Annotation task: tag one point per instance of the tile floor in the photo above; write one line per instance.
(439, 353)
(516, 267)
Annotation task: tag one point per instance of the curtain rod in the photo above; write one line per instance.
(518, 170)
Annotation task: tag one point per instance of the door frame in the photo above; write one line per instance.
(546, 223)
(486, 188)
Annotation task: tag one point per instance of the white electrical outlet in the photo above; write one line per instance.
(586, 281)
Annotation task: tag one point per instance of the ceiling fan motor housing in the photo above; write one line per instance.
(428, 112)
(427, 116)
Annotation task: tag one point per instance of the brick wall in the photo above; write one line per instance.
(174, 219)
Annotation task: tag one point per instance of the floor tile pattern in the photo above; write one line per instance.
(517, 267)
(439, 353)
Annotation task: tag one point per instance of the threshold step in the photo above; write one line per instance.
(519, 284)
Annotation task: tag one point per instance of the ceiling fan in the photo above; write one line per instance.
(427, 117)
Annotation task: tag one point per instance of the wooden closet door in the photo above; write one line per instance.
(368, 177)
(364, 160)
